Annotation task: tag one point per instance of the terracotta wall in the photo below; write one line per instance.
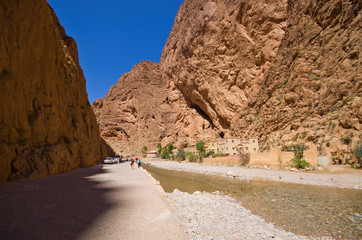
(232, 160)
(276, 157)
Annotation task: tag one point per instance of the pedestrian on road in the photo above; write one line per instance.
(132, 163)
(139, 163)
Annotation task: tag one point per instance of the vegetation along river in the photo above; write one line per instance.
(302, 209)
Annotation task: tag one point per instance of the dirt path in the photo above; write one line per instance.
(114, 202)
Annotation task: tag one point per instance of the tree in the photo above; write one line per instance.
(170, 147)
(165, 153)
(180, 156)
(200, 146)
(159, 149)
(298, 160)
(144, 151)
(357, 151)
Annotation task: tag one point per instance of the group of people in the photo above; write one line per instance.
(138, 161)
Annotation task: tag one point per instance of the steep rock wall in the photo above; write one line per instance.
(219, 51)
(46, 123)
(139, 111)
(285, 71)
(312, 92)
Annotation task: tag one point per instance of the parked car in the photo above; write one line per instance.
(109, 160)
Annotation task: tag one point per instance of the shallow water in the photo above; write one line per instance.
(302, 209)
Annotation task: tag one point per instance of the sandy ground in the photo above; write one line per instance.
(333, 176)
(113, 202)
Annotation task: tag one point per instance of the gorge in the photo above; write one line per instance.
(283, 71)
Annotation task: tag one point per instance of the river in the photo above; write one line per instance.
(302, 209)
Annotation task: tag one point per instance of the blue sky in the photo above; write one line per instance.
(114, 35)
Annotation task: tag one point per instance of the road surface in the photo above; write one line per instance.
(109, 202)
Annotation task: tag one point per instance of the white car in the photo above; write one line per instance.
(108, 160)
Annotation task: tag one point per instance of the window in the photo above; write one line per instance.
(254, 149)
(233, 148)
(253, 141)
(232, 141)
(246, 148)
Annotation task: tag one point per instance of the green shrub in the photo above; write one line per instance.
(298, 160)
(218, 155)
(190, 156)
(209, 154)
(180, 156)
(159, 149)
(144, 151)
(357, 151)
(346, 140)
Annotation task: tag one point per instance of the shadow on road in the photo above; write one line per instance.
(59, 207)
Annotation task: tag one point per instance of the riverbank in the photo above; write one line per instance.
(340, 180)
(215, 216)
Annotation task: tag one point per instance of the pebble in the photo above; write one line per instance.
(210, 216)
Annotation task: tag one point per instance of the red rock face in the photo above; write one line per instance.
(219, 51)
(140, 111)
(46, 123)
(312, 91)
(285, 71)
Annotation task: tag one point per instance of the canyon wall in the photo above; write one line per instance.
(139, 111)
(286, 71)
(46, 123)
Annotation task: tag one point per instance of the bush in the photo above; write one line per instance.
(357, 151)
(298, 160)
(300, 163)
(209, 154)
(244, 159)
(190, 156)
(144, 151)
(218, 155)
(346, 140)
(180, 156)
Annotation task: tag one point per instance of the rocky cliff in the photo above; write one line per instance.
(286, 71)
(46, 123)
(312, 91)
(140, 111)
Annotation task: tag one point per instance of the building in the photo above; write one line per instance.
(152, 154)
(211, 147)
(235, 145)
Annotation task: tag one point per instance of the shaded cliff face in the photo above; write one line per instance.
(46, 123)
(139, 111)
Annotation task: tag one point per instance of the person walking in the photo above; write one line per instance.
(139, 163)
(132, 163)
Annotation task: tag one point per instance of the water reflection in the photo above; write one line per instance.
(301, 209)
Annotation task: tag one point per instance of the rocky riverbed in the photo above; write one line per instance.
(342, 180)
(216, 216)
